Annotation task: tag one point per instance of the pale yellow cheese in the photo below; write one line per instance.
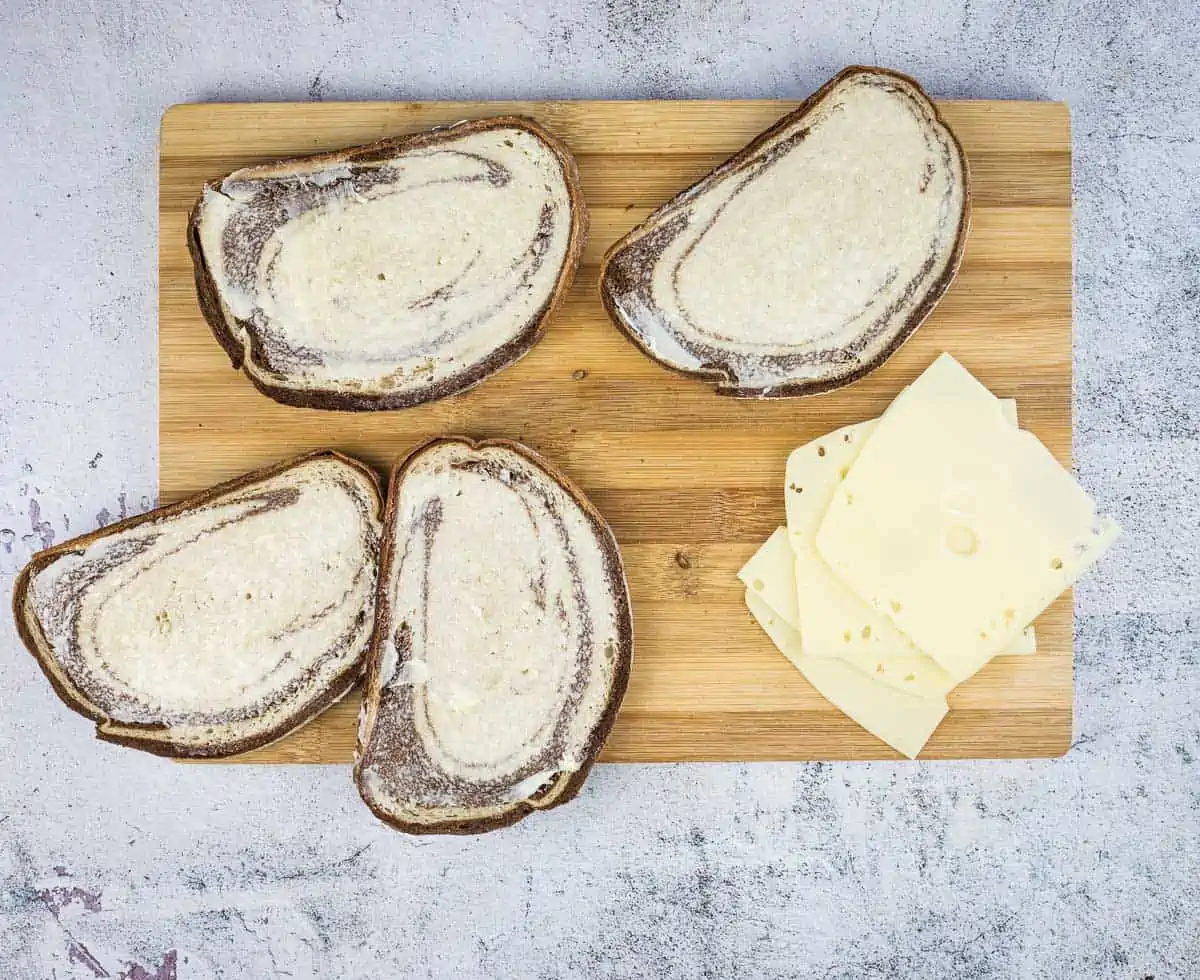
(835, 622)
(815, 469)
(901, 720)
(769, 574)
(957, 526)
(892, 661)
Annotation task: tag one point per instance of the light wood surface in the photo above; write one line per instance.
(691, 482)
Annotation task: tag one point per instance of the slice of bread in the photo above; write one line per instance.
(503, 641)
(806, 260)
(218, 624)
(392, 274)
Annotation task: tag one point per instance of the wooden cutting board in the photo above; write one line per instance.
(691, 482)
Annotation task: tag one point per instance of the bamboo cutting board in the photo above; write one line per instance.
(690, 482)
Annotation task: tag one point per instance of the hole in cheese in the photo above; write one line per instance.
(758, 585)
(961, 540)
(1056, 563)
(820, 450)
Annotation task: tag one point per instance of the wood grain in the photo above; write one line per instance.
(691, 482)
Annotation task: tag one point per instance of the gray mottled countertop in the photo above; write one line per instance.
(113, 864)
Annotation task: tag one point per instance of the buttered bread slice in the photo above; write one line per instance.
(218, 624)
(806, 260)
(392, 274)
(502, 643)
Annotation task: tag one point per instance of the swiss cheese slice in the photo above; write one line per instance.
(816, 468)
(892, 661)
(812, 476)
(901, 720)
(835, 621)
(769, 574)
(957, 526)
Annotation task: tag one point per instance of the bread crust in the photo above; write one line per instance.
(217, 317)
(792, 389)
(155, 738)
(563, 789)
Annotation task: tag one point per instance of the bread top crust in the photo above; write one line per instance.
(145, 627)
(502, 645)
(388, 275)
(807, 259)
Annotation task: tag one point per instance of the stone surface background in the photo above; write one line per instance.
(113, 864)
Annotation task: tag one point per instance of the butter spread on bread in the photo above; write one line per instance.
(502, 645)
(390, 274)
(806, 260)
(217, 624)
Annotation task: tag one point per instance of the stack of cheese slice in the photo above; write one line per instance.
(918, 546)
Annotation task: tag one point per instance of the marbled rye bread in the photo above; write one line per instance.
(502, 644)
(217, 624)
(804, 261)
(388, 275)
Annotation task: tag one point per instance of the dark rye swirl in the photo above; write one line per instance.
(388, 275)
(806, 260)
(502, 645)
(218, 624)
